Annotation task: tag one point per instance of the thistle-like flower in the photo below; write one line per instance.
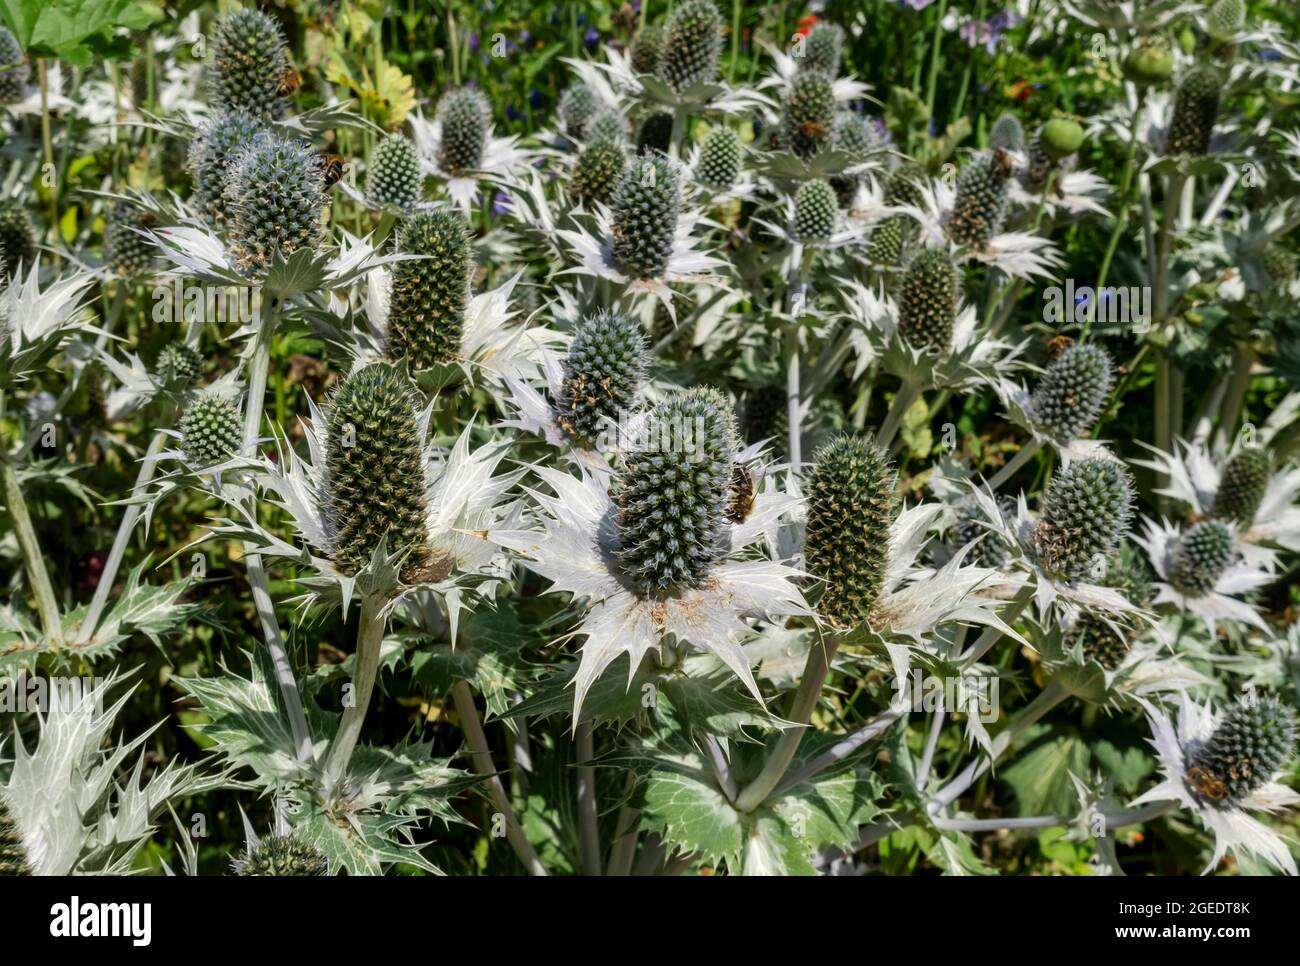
(248, 64)
(851, 504)
(608, 124)
(597, 171)
(464, 116)
(927, 300)
(809, 113)
(576, 108)
(981, 200)
(646, 209)
(892, 233)
(823, 48)
(1072, 393)
(1226, 19)
(429, 295)
(647, 49)
(215, 147)
(602, 374)
(394, 178)
(128, 252)
(1086, 514)
(211, 430)
(1196, 108)
(1242, 486)
(1007, 134)
(692, 45)
(17, 237)
(14, 70)
(274, 196)
(719, 162)
(1200, 557)
(815, 210)
(280, 855)
(178, 367)
(1245, 752)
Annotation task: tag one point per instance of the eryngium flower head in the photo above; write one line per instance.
(13, 69)
(1101, 640)
(13, 857)
(211, 430)
(374, 470)
(607, 124)
(646, 207)
(1007, 134)
(576, 108)
(850, 507)
(1200, 557)
(655, 133)
(213, 151)
(672, 493)
(887, 241)
(853, 134)
(1280, 263)
(248, 64)
(809, 113)
(1098, 641)
(275, 193)
(281, 855)
(823, 47)
(178, 366)
(927, 300)
(720, 158)
(1072, 393)
(692, 45)
(17, 237)
(647, 48)
(429, 296)
(1250, 746)
(126, 251)
(981, 199)
(394, 177)
(465, 116)
(1241, 487)
(1196, 107)
(814, 211)
(602, 372)
(1226, 19)
(1086, 513)
(596, 172)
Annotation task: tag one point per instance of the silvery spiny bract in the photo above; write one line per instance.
(645, 208)
(248, 64)
(1253, 742)
(394, 177)
(692, 45)
(465, 116)
(275, 196)
(1085, 514)
(280, 855)
(1072, 392)
(1200, 557)
(211, 430)
(602, 373)
(429, 295)
(1241, 487)
(1108, 640)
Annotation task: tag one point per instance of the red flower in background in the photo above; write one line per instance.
(806, 24)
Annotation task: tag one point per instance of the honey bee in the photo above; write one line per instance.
(813, 129)
(1004, 162)
(333, 165)
(1057, 345)
(290, 82)
(740, 500)
(1206, 784)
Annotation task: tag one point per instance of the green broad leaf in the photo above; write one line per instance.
(706, 697)
(1127, 767)
(363, 843)
(488, 654)
(1040, 775)
(611, 700)
(72, 30)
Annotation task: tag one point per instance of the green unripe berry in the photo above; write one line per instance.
(211, 429)
(1200, 557)
(1149, 64)
(429, 295)
(1062, 137)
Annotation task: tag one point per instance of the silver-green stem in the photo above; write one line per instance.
(584, 748)
(481, 759)
(903, 400)
(1243, 365)
(794, 405)
(846, 746)
(1020, 459)
(37, 576)
(370, 638)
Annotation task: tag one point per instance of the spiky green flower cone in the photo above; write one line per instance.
(429, 296)
(394, 177)
(672, 493)
(887, 242)
(1226, 19)
(719, 165)
(596, 172)
(127, 252)
(576, 108)
(823, 48)
(1251, 745)
(14, 70)
(211, 430)
(178, 366)
(1280, 263)
(275, 194)
(1242, 485)
(602, 372)
(1039, 165)
(893, 233)
(1098, 641)
(13, 857)
(981, 200)
(645, 217)
(850, 507)
(809, 114)
(1109, 643)
(647, 48)
(927, 300)
(655, 133)
(815, 208)
(1086, 513)
(212, 154)
(1196, 107)
(374, 470)
(1072, 393)
(607, 124)
(1007, 134)
(465, 116)
(248, 64)
(281, 855)
(853, 134)
(17, 237)
(1200, 557)
(692, 45)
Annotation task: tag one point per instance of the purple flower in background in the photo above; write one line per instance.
(473, 42)
(513, 113)
(501, 203)
(525, 39)
(592, 36)
(881, 129)
(988, 32)
(535, 98)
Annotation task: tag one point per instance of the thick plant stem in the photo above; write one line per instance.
(370, 638)
(846, 746)
(1020, 459)
(1235, 396)
(584, 745)
(805, 700)
(481, 758)
(903, 400)
(37, 576)
(794, 406)
(47, 145)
